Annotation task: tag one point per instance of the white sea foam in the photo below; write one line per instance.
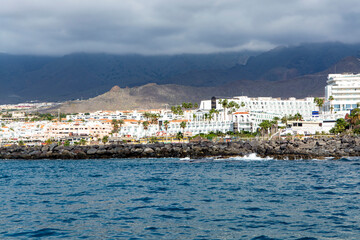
(250, 157)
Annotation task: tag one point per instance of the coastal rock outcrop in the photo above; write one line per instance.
(310, 148)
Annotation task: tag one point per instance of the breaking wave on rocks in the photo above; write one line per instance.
(251, 157)
(248, 157)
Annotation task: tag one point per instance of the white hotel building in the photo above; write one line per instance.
(345, 90)
(276, 106)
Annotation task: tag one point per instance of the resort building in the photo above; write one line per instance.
(278, 106)
(342, 93)
(59, 130)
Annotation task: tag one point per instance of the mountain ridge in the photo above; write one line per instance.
(81, 75)
(153, 96)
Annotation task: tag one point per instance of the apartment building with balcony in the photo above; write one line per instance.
(342, 93)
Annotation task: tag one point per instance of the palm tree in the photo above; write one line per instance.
(210, 117)
(115, 124)
(217, 114)
(232, 106)
(331, 98)
(194, 117)
(274, 123)
(147, 115)
(166, 126)
(206, 116)
(224, 103)
(211, 114)
(284, 120)
(145, 126)
(180, 135)
(319, 102)
(185, 105)
(265, 125)
(183, 125)
(177, 110)
(154, 118)
(297, 117)
(121, 122)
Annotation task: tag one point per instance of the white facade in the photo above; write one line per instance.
(197, 123)
(279, 106)
(345, 89)
(311, 127)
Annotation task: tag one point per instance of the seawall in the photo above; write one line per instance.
(309, 148)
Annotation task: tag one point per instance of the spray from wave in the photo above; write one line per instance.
(249, 157)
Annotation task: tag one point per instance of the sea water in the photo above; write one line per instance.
(237, 198)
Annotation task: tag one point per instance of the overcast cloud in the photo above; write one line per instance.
(172, 26)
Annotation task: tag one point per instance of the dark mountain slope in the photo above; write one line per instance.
(282, 63)
(87, 75)
(156, 96)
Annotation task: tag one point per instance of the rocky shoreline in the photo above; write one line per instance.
(335, 147)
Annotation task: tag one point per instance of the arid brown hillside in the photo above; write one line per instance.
(144, 97)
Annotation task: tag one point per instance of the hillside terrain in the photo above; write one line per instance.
(152, 95)
(297, 71)
(24, 78)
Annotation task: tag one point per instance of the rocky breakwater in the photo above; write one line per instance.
(309, 148)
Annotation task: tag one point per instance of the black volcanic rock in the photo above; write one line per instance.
(278, 149)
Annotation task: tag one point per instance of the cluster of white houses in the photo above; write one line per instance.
(342, 94)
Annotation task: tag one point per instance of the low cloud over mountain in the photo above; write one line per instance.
(168, 27)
